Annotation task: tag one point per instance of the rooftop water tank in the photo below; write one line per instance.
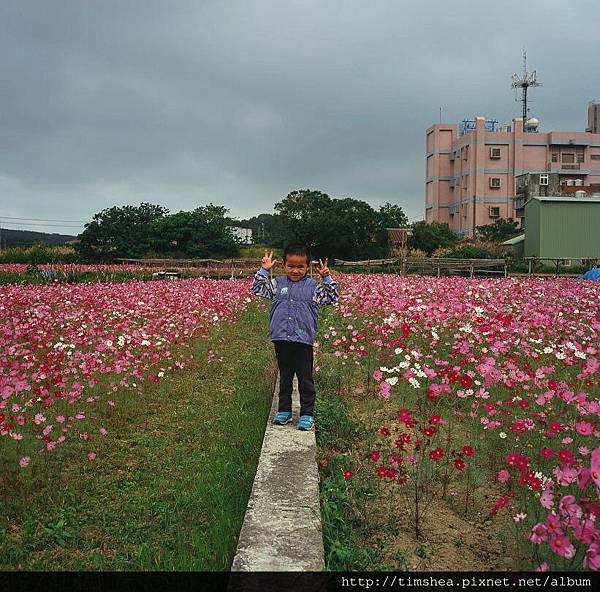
(580, 193)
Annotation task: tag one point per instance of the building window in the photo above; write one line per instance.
(555, 157)
(495, 153)
(568, 157)
(580, 157)
(495, 182)
(595, 156)
(543, 179)
(495, 212)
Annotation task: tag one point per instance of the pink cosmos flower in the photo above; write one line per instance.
(584, 428)
(24, 461)
(561, 545)
(595, 467)
(592, 557)
(377, 375)
(539, 534)
(503, 476)
(91, 455)
(547, 499)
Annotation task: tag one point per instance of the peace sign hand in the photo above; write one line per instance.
(323, 269)
(267, 261)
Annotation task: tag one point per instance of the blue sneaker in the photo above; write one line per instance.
(306, 423)
(282, 417)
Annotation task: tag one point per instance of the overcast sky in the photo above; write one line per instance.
(239, 102)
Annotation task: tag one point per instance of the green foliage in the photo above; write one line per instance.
(469, 249)
(267, 229)
(202, 233)
(345, 228)
(119, 232)
(39, 253)
(431, 236)
(499, 231)
(392, 216)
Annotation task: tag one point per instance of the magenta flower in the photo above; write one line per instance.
(503, 476)
(539, 534)
(562, 545)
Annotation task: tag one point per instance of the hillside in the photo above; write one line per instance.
(23, 238)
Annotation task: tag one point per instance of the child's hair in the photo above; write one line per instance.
(297, 249)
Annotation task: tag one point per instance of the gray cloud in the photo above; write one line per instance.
(240, 102)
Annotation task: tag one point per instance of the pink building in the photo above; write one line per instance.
(470, 176)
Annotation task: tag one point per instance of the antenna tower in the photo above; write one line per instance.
(528, 79)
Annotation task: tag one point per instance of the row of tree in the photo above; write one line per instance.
(344, 228)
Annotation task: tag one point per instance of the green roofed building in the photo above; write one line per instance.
(562, 227)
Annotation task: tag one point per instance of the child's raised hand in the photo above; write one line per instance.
(267, 261)
(323, 269)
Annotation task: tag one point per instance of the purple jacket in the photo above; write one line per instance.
(295, 307)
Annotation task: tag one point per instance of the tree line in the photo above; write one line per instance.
(344, 228)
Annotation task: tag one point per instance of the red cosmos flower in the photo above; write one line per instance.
(434, 419)
(566, 456)
(436, 454)
(409, 424)
(556, 426)
(375, 456)
(429, 431)
(348, 475)
(404, 415)
(381, 471)
(467, 450)
(460, 464)
(466, 381)
(546, 453)
(384, 431)
(2, 416)
(524, 404)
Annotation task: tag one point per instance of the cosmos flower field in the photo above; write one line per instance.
(490, 383)
(492, 377)
(66, 349)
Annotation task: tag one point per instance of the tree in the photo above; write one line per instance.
(499, 231)
(202, 233)
(429, 237)
(344, 228)
(119, 232)
(267, 229)
(392, 216)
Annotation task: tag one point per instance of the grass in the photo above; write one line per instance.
(170, 485)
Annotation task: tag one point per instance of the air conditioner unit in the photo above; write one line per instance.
(451, 156)
(495, 153)
(495, 182)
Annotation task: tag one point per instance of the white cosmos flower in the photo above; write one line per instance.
(392, 381)
(502, 435)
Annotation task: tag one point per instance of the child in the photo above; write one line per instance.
(293, 325)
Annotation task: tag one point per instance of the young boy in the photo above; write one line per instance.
(293, 325)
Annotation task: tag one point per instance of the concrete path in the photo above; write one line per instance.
(282, 527)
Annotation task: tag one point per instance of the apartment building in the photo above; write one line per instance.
(471, 169)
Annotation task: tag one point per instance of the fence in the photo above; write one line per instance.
(433, 265)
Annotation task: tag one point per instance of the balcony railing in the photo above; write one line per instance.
(561, 167)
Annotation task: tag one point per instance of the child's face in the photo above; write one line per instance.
(295, 267)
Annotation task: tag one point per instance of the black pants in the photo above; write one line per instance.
(295, 358)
